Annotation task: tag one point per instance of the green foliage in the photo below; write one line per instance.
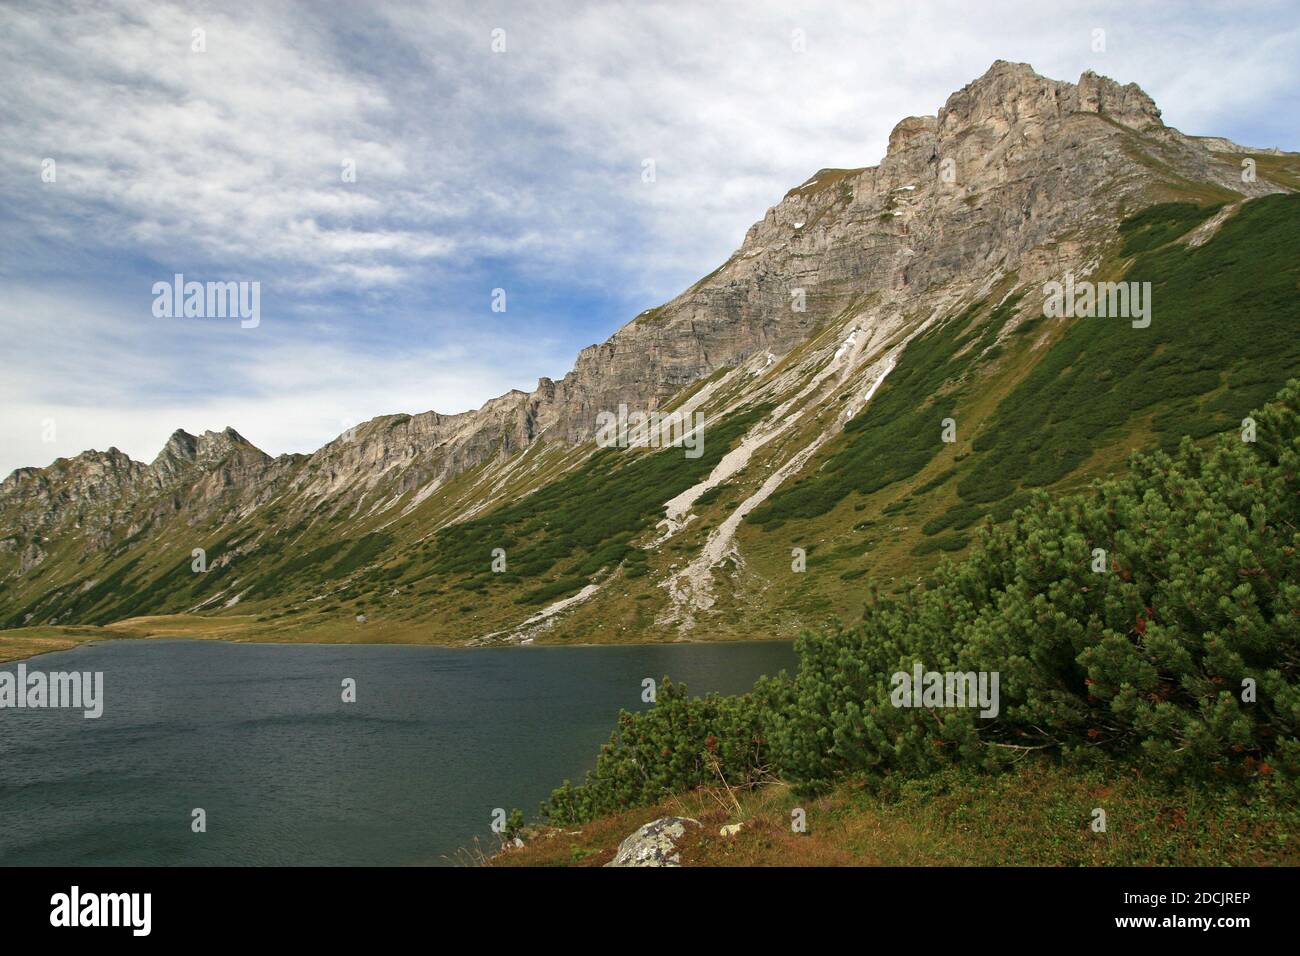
(514, 825)
(1145, 662)
(710, 496)
(552, 590)
(130, 590)
(959, 516)
(682, 742)
(320, 564)
(898, 433)
(585, 521)
(115, 585)
(948, 542)
(1222, 339)
(940, 479)
(365, 550)
(1162, 223)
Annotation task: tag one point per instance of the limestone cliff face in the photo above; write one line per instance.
(1011, 162)
(1015, 173)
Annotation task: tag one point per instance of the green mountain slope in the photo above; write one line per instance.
(1152, 621)
(872, 315)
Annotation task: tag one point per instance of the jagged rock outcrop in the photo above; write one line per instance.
(223, 459)
(1220, 144)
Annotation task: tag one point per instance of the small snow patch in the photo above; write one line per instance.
(889, 367)
(848, 344)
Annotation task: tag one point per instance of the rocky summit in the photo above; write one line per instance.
(874, 369)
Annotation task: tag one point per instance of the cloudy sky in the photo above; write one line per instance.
(133, 148)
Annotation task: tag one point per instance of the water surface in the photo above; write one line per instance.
(257, 735)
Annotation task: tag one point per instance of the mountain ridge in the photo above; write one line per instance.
(1015, 180)
(1127, 104)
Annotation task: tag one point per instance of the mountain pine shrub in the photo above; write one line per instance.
(679, 744)
(1151, 660)
(1148, 662)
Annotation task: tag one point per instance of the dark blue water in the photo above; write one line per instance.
(288, 774)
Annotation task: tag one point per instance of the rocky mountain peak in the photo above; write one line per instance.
(184, 450)
(180, 448)
(1014, 94)
(217, 444)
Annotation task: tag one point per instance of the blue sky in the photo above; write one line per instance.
(475, 170)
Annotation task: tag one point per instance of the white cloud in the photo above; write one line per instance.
(474, 169)
(92, 370)
(239, 149)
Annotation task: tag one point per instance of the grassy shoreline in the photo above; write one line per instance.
(24, 643)
(1040, 814)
